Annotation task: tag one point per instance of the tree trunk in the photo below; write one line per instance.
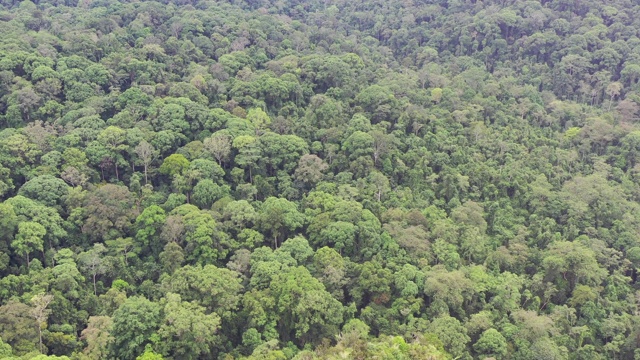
(146, 181)
(610, 102)
(95, 292)
(40, 336)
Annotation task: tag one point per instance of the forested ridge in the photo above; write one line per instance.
(319, 179)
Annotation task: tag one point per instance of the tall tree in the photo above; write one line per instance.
(113, 138)
(279, 216)
(93, 261)
(147, 154)
(187, 331)
(110, 211)
(97, 336)
(19, 328)
(219, 146)
(30, 238)
(134, 324)
(41, 312)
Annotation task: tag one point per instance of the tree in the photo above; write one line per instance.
(280, 152)
(31, 211)
(571, 263)
(259, 119)
(248, 153)
(374, 284)
(110, 210)
(147, 154)
(40, 312)
(28, 100)
(187, 332)
(46, 189)
(6, 183)
(547, 349)
(299, 305)
(5, 350)
(310, 169)
(149, 354)
(452, 334)
(381, 145)
(149, 225)
(613, 90)
(297, 248)
(449, 287)
(318, 316)
(340, 235)
(18, 328)
(29, 239)
(97, 336)
(358, 144)
(379, 102)
(73, 176)
(238, 215)
(175, 164)
(205, 242)
(134, 324)
(330, 268)
(219, 146)
(379, 183)
(184, 182)
(8, 223)
(217, 289)
(279, 215)
(206, 192)
(113, 139)
(172, 257)
(93, 261)
(122, 249)
(491, 344)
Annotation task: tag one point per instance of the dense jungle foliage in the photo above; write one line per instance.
(320, 179)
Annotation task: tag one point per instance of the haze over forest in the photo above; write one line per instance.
(320, 179)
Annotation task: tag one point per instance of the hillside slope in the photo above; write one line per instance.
(306, 180)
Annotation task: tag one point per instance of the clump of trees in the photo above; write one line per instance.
(319, 180)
